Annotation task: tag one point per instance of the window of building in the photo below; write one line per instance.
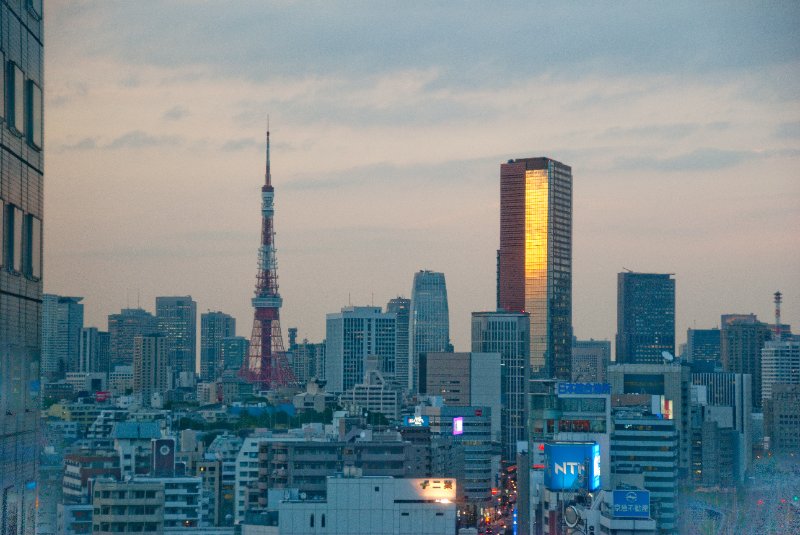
(311, 520)
(34, 114)
(34, 247)
(13, 241)
(322, 520)
(16, 98)
(2, 86)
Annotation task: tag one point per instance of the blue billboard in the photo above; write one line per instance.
(416, 421)
(584, 388)
(572, 466)
(631, 504)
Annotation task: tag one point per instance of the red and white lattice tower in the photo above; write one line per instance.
(266, 364)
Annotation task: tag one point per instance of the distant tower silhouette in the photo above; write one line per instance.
(266, 364)
(778, 298)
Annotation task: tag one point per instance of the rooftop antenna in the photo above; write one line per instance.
(778, 298)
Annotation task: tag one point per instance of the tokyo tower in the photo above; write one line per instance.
(266, 364)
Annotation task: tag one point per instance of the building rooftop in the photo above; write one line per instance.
(132, 430)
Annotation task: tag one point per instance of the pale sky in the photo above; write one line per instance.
(681, 121)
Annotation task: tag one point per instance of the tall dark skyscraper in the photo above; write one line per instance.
(645, 317)
(123, 328)
(21, 205)
(177, 321)
(401, 308)
(429, 327)
(214, 328)
(535, 259)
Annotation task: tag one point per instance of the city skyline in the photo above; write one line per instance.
(370, 145)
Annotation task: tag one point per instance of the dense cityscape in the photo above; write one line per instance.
(166, 420)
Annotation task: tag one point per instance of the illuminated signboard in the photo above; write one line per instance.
(631, 504)
(584, 388)
(572, 466)
(441, 490)
(416, 421)
(458, 425)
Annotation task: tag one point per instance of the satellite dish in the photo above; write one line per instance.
(302, 495)
(667, 356)
(571, 516)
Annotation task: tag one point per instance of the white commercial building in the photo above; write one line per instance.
(374, 506)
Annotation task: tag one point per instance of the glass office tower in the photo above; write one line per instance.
(21, 199)
(429, 328)
(535, 260)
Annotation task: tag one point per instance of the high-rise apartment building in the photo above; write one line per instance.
(214, 328)
(307, 358)
(535, 260)
(507, 333)
(702, 349)
(123, 328)
(645, 317)
(742, 337)
(95, 351)
(352, 335)
(429, 321)
(401, 308)
(62, 321)
(21, 209)
(177, 321)
(150, 373)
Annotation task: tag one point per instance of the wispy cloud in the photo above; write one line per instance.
(240, 144)
(86, 143)
(175, 113)
(706, 159)
(137, 139)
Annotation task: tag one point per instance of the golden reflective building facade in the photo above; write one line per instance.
(535, 260)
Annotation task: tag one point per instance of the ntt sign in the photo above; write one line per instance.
(572, 466)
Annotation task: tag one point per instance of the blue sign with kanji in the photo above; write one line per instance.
(631, 504)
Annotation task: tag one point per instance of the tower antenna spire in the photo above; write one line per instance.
(267, 174)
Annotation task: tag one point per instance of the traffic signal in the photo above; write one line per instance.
(795, 498)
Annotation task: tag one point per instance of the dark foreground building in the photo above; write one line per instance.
(21, 199)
